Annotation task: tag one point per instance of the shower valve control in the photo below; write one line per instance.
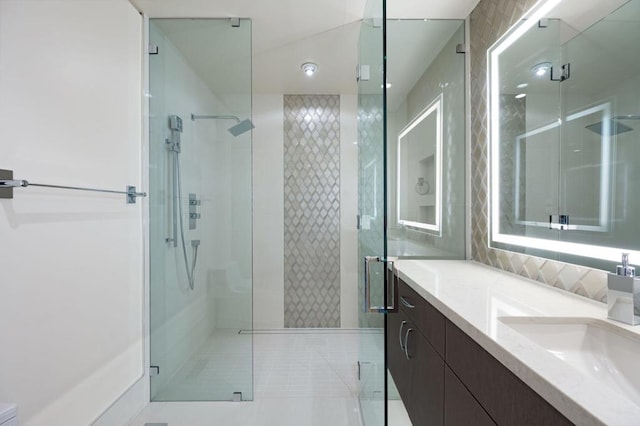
(175, 123)
(193, 213)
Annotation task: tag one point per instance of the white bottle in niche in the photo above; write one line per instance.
(623, 293)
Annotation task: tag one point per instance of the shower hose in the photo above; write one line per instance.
(189, 268)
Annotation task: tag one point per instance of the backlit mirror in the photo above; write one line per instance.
(419, 170)
(564, 127)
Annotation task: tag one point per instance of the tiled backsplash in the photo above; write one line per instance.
(489, 20)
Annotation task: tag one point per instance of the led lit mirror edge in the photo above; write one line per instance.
(548, 247)
(436, 105)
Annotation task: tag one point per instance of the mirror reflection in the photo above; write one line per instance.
(565, 124)
(419, 174)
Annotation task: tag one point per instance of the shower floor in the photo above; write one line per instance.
(301, 377)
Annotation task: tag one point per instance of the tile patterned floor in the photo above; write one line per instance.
(301, 377)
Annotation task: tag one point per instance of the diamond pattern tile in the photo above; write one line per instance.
(311, 211)
(489, 20)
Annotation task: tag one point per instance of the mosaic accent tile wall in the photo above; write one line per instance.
(311, 211)
(489, 20)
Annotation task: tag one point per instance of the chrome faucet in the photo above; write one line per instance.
(623, 293)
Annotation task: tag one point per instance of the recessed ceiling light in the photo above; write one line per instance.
(309, 68)
(520, 95)
(541, 68)
(522, 85)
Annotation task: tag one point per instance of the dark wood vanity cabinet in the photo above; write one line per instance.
(501, 393)
(416, 366)
(446, 378)
(460, 407)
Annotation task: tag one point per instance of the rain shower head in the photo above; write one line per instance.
(236, 130)
(615, 127)
(241, 127)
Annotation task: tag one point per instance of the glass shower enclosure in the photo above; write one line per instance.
(200, 209)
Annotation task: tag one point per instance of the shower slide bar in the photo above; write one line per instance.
(7, 185)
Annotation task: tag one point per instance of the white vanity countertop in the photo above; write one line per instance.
(474, 296)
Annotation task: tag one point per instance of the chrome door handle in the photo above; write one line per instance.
(367, 285)
(406, 343)
(400, 334)
(406, 303)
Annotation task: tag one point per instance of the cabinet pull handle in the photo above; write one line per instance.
(406, 303)
(400, 334)
(406, 343)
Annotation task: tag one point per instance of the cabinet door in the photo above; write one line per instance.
(428, 319)
(460, 407)
(426, 398)
(504, 396)
(399, 366)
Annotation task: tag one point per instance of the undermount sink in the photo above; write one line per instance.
(597, 348)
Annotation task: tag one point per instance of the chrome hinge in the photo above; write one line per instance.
(153, 49)
(363, 73)
(461, 48)
(154, 370)
(237, 397)
(6, 191)
(565, 73)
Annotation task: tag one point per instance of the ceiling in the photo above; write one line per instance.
(287, 33)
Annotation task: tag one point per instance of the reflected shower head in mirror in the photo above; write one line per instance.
(236, 130)
(615, 127)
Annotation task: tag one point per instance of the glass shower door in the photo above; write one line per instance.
(200, 210)
(372, 216)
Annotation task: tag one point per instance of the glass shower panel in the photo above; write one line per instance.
(372, 214)
(426, 138)
(602, 127)
(200, 210)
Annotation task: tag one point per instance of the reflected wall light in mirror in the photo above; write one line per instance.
(559, 132)
(419, 171)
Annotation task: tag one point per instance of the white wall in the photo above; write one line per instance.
(268, 211)
(348, 211)
(268, 208)
(71, 292)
